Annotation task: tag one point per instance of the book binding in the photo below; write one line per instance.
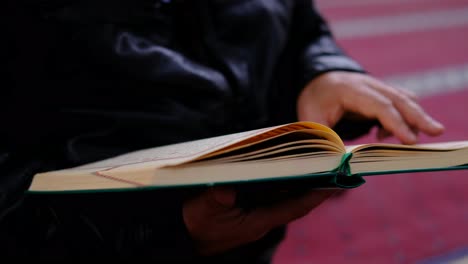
(343, 177)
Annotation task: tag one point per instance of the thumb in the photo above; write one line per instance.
(224, 196)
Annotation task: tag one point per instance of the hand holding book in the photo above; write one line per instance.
(216, 223)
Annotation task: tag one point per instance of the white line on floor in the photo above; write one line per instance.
(383, 25)
(435, 81)
(323, 4)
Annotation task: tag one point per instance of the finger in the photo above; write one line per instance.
(383, 134)
(417, 117)
(289, 210)
(410, 94)
(390, 90)
(373, 104)
(214, 201)
(409, 109)
(224, 196)
(393, 122)
(414, 114)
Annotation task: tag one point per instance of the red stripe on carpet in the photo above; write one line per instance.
(400, 218)
(410, 52)
(341, 13)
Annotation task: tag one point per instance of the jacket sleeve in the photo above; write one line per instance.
(320, 51)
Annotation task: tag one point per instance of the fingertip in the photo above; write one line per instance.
(432, 127)
(409, 138)
(224, 196)
(438, 127)
(383, 134)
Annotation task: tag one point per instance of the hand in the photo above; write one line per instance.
(217, 225)
(334, 95)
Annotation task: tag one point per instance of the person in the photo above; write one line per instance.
(87, 80)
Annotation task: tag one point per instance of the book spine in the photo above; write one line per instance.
(343, 176)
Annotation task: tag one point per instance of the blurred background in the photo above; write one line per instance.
(420, 45)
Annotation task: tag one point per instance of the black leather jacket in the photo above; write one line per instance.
(91, 79)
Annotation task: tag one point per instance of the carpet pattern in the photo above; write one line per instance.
(402, 218)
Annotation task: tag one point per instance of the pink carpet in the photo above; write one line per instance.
(402, 218)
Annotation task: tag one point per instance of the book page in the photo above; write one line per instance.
(187, 151)
(319, 130)
(438, 146)
(304, 147)
(395, 157)
(175, 153)
(137, 168)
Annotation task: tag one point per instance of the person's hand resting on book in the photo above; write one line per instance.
(338, 95)
(217, 224)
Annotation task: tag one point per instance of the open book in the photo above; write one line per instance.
(291, 151)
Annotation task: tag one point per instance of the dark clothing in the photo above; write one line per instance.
(91, 79)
